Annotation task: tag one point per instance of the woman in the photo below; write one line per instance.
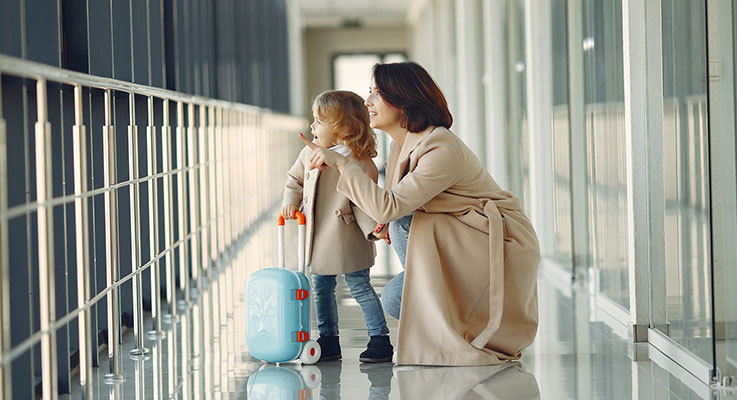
(469, 288)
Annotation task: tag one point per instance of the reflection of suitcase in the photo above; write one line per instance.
(278, 309)
(272, 382)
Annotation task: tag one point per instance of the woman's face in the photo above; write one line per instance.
(382, 115)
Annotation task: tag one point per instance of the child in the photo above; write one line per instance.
(338, 233)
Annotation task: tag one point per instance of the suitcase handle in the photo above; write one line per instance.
(301, 225)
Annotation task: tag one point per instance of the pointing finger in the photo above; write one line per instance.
(307, 142)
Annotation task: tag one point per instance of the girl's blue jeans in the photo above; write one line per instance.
(326, 308)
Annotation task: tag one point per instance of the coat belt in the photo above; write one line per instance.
(496, 268)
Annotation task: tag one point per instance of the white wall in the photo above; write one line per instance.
(322, 44)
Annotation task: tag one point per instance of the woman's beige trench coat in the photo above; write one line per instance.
(470, 291)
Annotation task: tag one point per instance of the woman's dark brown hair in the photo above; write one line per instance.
(408, 87)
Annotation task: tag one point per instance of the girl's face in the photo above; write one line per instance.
(382, 115)
(322, 132)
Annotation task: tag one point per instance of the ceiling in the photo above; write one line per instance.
(333, 13)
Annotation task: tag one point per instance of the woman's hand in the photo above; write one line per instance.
(289, 211)
(322, 157)
(382, 232)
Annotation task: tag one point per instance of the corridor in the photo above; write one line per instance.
(579, 353)
(143, 152)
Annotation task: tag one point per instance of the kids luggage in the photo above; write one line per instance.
(278, 309)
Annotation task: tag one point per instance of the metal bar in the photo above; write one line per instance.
(203, 182)
(182, 204)
(220, 189)
(34, 70)
(227, 153)
(111, 244)
(30, 341)
(211, 187)
(171, 357)
(135, 210)
(213, 228)
(24, 209)
(219, 128)
(45, 245)
(194, 208)
(5, 376)
(82, 245)
(168, 212)
(153, 227)
(227, 157)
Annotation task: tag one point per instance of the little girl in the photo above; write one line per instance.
(338, 232)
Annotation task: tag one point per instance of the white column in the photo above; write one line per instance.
(723, 181)
(636, 128)
(577, 121)
(495, 89)
(656, 179)
(539, 108)
(295, 31)
(441, 26)
(469, 68)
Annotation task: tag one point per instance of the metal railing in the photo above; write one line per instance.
(218, 165)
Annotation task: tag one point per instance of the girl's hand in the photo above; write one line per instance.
(288, 211)
(382, 232)
(322, 157)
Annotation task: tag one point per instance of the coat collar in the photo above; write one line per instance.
(410, 143)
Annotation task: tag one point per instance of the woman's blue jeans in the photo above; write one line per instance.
(391, 296)
(326, 308)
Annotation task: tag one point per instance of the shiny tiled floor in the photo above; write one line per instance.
(579, 353)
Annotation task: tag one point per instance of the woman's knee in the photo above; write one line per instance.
(391, 296)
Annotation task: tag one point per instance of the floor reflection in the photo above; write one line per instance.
(323, 381)
(203, 355)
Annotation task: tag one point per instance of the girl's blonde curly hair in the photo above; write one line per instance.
(345, 113)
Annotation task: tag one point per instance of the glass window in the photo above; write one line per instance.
(353, 72)
(605, 142)
(686, 177)
(561, 133)
(518, 149)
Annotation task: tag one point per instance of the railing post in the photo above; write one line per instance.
(153, 227)
(82, 244)
(141, 349)
(212, 184)
(171, 292)
(222, 202)
(111, 244)
(204, 204)
(213, 225)
(5, 376)
(194, 208)
(45, 218)
(228, 210)
(182, 207)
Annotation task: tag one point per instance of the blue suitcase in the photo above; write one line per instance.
(278, 309)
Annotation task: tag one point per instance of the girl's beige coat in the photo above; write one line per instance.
(337, 232)
(470, 292)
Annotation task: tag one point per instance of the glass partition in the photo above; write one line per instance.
(605, 148)
(686, 178)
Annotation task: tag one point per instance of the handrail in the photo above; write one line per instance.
(35, 70)
(208, 154)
